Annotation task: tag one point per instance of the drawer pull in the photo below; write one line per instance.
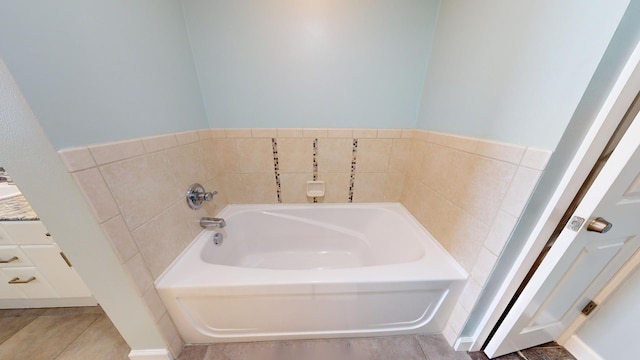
(16, 280)
(9, 260)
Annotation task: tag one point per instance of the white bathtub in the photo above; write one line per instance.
(311, 271)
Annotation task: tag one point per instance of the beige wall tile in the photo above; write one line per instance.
(120, 238)
(116, 151)
(255, 155)
(470, 295)
(421, 134)
(289, 132)
(336, 187)
(139, 273)
(260, 188)
(409, 198)
(314, 133)
(389, 133)
(167, 329)
(456, 142)
(176, 346)
(458, 318)
(479, 184)
(294, 187)
(238, 133)
(459, 232)
(400, 155)
(220, 157)
(187, 137)
(340, 133)
(142, 187)
(264, 133)
(161, 239)
(295, 155)
(218, 134)
(499, 233)
(418, 150)
(365, 133)
(97, 194)
(204, 134)
(450, 335)
(373, 155)
(408, 133)
(430, 209)
(157, 143)
(536, 158)
(154, 303)
(77, 159)
(232, 187)
(219, 201)
(393, 186)
(436, 168)
(522, 186)
(465, 238)
(369, 187)
(187, 165)
(483, 266)
(500, 151)
(192, 217)
(334, 155)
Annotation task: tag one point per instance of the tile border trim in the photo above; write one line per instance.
(276, 169)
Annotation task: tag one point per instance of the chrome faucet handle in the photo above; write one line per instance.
(208, 196)
(196, 196)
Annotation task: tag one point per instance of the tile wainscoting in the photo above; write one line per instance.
(468, 192)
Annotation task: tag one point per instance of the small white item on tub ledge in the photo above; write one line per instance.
(315, 188)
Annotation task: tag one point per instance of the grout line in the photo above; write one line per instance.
(77, 337)
(424, 353)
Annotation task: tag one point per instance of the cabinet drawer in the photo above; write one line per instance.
(5, 239)
(26, 232)
(9, 291)
(35, 289)
(9, 254)
(64, 279)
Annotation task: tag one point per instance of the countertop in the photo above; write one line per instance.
(16, 208)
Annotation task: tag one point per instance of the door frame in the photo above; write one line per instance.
(611, 112)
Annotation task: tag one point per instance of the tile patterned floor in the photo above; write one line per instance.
(410, 347)
(548, 351)
(86, 333)
(59, 334)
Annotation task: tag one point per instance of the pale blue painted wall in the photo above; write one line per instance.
(514, 71)
(304, 63)
(624, 41)
(96, 70)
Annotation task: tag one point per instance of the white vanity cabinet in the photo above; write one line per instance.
(33, 270)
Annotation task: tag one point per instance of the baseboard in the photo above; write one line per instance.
(463, 344)
(151, 354)
(580, 350)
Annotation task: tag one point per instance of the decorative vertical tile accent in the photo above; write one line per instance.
(352, 178)
(276, 168)
(315, 164)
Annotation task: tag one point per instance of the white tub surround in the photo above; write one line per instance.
(311, 271)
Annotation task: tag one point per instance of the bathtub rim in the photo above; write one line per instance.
(450, 269)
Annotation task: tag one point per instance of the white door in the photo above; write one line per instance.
(580, 263)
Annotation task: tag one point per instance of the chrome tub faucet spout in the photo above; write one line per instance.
(209, 222)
